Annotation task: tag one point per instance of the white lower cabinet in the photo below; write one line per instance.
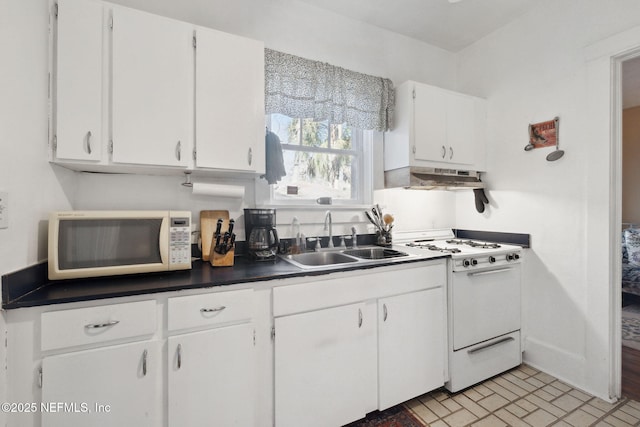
(109, 386)
(211, 377)
(321, 375)
(353, 343)
(411, 345)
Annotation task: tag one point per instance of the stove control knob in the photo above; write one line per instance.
(474, 262)
(492, 259)
(516, 256)
(466, 262)
(510, 257)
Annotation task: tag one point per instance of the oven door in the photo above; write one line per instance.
(484, 304)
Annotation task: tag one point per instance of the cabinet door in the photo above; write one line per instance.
(411, 345)
(320, 366)
(211, 377)
(461, 126)
(229, 102)
(78, 80)
(116, 385)
(430, 124)
(152, 88)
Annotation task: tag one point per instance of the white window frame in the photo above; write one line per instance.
(362, 184)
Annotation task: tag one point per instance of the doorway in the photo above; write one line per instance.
(629, 106)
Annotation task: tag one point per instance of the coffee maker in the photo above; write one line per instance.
(261, 234)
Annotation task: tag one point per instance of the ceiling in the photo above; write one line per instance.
(450, 26)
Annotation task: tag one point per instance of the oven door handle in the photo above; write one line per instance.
(491, 344)
(484, 273)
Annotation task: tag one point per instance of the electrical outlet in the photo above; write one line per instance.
(4, 209)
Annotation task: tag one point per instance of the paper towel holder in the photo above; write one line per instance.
(187, 180)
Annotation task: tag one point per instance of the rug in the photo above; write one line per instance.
(396, 416)
(631, 326)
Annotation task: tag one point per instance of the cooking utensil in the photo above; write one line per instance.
(555, 155)
(373, 221)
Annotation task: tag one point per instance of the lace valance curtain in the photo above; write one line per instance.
(299, 87)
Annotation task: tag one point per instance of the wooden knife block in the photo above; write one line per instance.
(208, 220)
(222, 260)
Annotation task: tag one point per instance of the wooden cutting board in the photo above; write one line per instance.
(208, 221)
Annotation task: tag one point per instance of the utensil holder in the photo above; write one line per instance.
(222, 260)
(383, 238)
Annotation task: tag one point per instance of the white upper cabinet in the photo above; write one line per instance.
(130, 93)
(78, 77)
(436, 128)
(229, 102)
(152, 89)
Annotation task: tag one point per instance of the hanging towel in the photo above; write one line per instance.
(274, 159)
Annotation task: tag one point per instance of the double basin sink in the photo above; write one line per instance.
(343, 257)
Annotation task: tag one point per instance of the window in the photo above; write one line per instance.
(321, 160)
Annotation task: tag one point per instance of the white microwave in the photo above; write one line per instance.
(107, 243)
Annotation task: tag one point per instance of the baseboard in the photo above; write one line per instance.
(568, 367)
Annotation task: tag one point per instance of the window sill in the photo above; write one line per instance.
(344, 207)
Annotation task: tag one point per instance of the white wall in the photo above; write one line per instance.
(630, 170)
(530, 71)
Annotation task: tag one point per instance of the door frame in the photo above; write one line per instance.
(615, 208)
(604, 61)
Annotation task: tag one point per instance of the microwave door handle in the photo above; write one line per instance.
(163, 241)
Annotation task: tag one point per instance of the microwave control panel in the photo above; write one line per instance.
(179, 243)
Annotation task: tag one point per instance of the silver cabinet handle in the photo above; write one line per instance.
(179, 354)
(101, 325)
(491, 344)
(212, 310)
(444, 151)
(484, 273)
(250, 156)
(179, 150)
(144, 363)
(89, 142)
(385, 312)
(359, 318)
(450, 153)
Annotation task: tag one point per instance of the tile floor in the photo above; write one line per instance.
(522, 397)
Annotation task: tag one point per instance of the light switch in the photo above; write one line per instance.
(4, 209)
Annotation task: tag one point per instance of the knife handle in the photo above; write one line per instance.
(218, 226)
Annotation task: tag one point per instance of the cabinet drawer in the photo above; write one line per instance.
(196, 311)
(80, 326)
(476, 363)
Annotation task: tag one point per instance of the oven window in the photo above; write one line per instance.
(108, 242)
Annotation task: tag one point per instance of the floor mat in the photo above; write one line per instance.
(397, 416)
(631, 326)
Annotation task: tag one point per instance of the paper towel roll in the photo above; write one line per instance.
(218, 190)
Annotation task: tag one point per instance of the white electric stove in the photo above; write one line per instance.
(483, 303)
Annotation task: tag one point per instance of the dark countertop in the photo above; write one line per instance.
(17, 293)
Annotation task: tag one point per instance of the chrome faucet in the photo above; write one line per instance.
(354, 238)
(296, 236)
(327, 220)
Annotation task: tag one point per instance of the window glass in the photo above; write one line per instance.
(321, 160)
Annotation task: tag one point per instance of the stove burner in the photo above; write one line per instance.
(432, 247)
(473, 244)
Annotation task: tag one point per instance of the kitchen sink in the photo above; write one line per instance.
(374, 253)
(318, 259)
(342, 257)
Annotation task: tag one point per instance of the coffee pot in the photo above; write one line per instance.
(262, 240)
